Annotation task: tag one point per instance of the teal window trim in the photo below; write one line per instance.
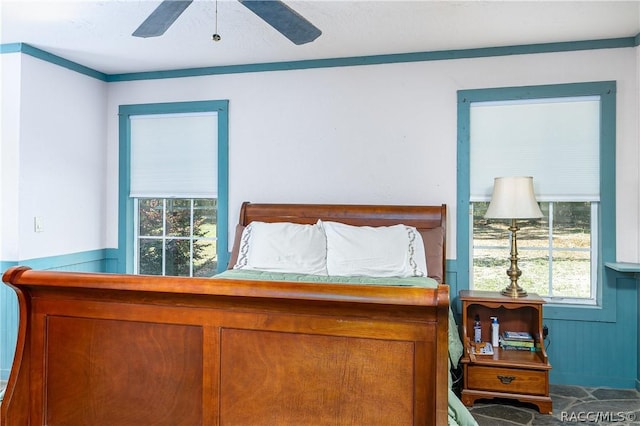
(125, 203)
(606, 297)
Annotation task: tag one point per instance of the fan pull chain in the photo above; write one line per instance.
(216, 36)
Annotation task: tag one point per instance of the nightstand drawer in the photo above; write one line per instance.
(507, 380)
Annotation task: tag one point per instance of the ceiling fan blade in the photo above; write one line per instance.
(161, 18)
(284, 19)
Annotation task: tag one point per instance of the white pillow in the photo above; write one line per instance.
(283, 247)
(417, 253)
(385, 251)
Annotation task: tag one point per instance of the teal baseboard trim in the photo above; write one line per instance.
(111, 263)
(592, 381)
(70, 262)
(451, 265)
(4, 265)
(86, 261)
(451, 278)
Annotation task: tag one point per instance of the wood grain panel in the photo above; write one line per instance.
(274, 378)
(98, 373)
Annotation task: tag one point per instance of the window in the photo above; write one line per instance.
(556, 253)
(176, 236)
(173, 188)
(563, 136)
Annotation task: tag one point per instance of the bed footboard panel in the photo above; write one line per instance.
(130, 350)
(115, 367)
(320, 380)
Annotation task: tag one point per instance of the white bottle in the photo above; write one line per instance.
(495, 332)
(477, 330)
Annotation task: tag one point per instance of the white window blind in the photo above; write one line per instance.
(554, 140)
(174, 155)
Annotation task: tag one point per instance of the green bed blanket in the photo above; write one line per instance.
(252, 274)
(458, 413)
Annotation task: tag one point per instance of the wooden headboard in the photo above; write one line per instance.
(430, 221)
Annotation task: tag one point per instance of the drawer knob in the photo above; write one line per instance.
(506, 379)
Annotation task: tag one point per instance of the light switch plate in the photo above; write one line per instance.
(38, 224)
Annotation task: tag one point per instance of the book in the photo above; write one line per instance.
(517, 335)
(518, 348)
(521, 343)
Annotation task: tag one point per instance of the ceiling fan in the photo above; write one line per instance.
(274, 12)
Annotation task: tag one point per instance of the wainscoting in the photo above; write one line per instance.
(580, 351)
(90, 261)
(8, 329)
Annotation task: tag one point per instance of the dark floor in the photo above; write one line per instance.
(571, 405)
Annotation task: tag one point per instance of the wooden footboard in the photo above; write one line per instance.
(107, 349)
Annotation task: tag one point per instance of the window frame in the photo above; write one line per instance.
(605, 307)
(126, 212)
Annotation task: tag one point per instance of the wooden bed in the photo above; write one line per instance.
(117, 350)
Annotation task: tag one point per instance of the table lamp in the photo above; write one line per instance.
(513, 199)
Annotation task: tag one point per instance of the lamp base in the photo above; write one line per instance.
(514, 291)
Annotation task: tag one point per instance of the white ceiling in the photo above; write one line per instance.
(97, 33)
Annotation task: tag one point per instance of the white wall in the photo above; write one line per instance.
(56, 140)
(9, 148)
(379, 133)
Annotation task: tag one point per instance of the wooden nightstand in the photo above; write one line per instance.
(520, 375)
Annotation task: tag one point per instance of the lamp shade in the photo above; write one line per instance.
(513, 198)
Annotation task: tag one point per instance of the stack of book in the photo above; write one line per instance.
(517, 341)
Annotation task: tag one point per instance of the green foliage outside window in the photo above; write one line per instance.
(187, 236)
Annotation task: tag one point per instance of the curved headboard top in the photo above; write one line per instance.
(422, 217)
(430, 221)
